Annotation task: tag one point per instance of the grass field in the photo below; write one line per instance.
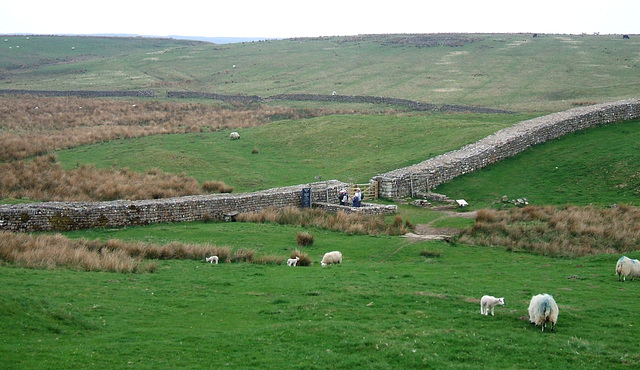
(385, 307)
(510, 71)
(596, 166)
(347, 148)
(393, 303)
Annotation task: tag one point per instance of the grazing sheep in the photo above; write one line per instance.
(330, 258)
(627, 267)
(293, 261)
(234, 136)
(212, 259)
(543, 309)
(489, 302)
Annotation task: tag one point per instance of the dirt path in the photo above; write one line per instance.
(428, 232)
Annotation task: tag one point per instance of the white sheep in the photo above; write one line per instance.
(627, 267)
(543, 309)
(234, 136)
(212, 259)
(489, 302)
(331, 257)
(293, 261)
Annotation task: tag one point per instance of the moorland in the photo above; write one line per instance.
(144, 296)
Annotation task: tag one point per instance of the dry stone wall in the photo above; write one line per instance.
(83, 93)
(64, 216)
(412, 180)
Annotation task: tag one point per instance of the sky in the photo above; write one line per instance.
(299, 18)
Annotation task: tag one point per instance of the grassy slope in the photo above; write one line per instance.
(386, 307)
(290, 153)
(513, 71)
(597, 166)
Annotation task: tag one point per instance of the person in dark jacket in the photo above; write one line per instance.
(357, 198)
(343, 197)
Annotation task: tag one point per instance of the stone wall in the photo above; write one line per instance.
(83, 93)
(411, 104)
(63, 216)
(505, 143)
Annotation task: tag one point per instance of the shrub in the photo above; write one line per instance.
(305, 260)
(430, 254)
(269, 260)
(243, 255)
(304, 239)
(216, 187)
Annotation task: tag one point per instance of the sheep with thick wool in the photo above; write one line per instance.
(234, 136)
(331, 258)
(542, 310)
(627, 267)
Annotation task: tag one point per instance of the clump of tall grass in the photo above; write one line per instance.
(304, 260)
(431, 253)
(269, 260)
(57, 251)
(216, 187)
(114, 255)
(243, 255)
(570, 231)
(352, 223)
(304, 239)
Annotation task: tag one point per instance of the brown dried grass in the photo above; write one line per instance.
(352, 223)
(57, 251)
(304, 239)
(570, 231)
(304, 260)
(35, 126)
(46, 180)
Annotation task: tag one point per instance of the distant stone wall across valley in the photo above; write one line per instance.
(83, 93)
(419, 178)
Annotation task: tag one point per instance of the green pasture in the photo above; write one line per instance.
(511, 71)
(597, 166)
(385, 307)
(351, 148)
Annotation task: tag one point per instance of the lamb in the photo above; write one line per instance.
(234, 136)
(489, 302)
(293, 261)
(212, 259)
(627, 267)
(331, 257)
(543, 309)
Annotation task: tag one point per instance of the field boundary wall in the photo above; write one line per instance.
(411, 104)
(84, 93)
(65, 216)
(420, 178)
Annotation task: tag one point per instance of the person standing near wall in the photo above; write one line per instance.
(343, 197)
(357, 198)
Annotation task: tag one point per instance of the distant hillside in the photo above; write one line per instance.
(516, 72)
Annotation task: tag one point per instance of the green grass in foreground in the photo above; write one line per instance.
(347, 148)
(385, 307)
(597, 166)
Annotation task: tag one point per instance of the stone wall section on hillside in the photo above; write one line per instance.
(411, 104)
(64, 216)
(84, 93)
(508, 142)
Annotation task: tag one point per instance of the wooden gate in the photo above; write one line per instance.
(369, 190)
